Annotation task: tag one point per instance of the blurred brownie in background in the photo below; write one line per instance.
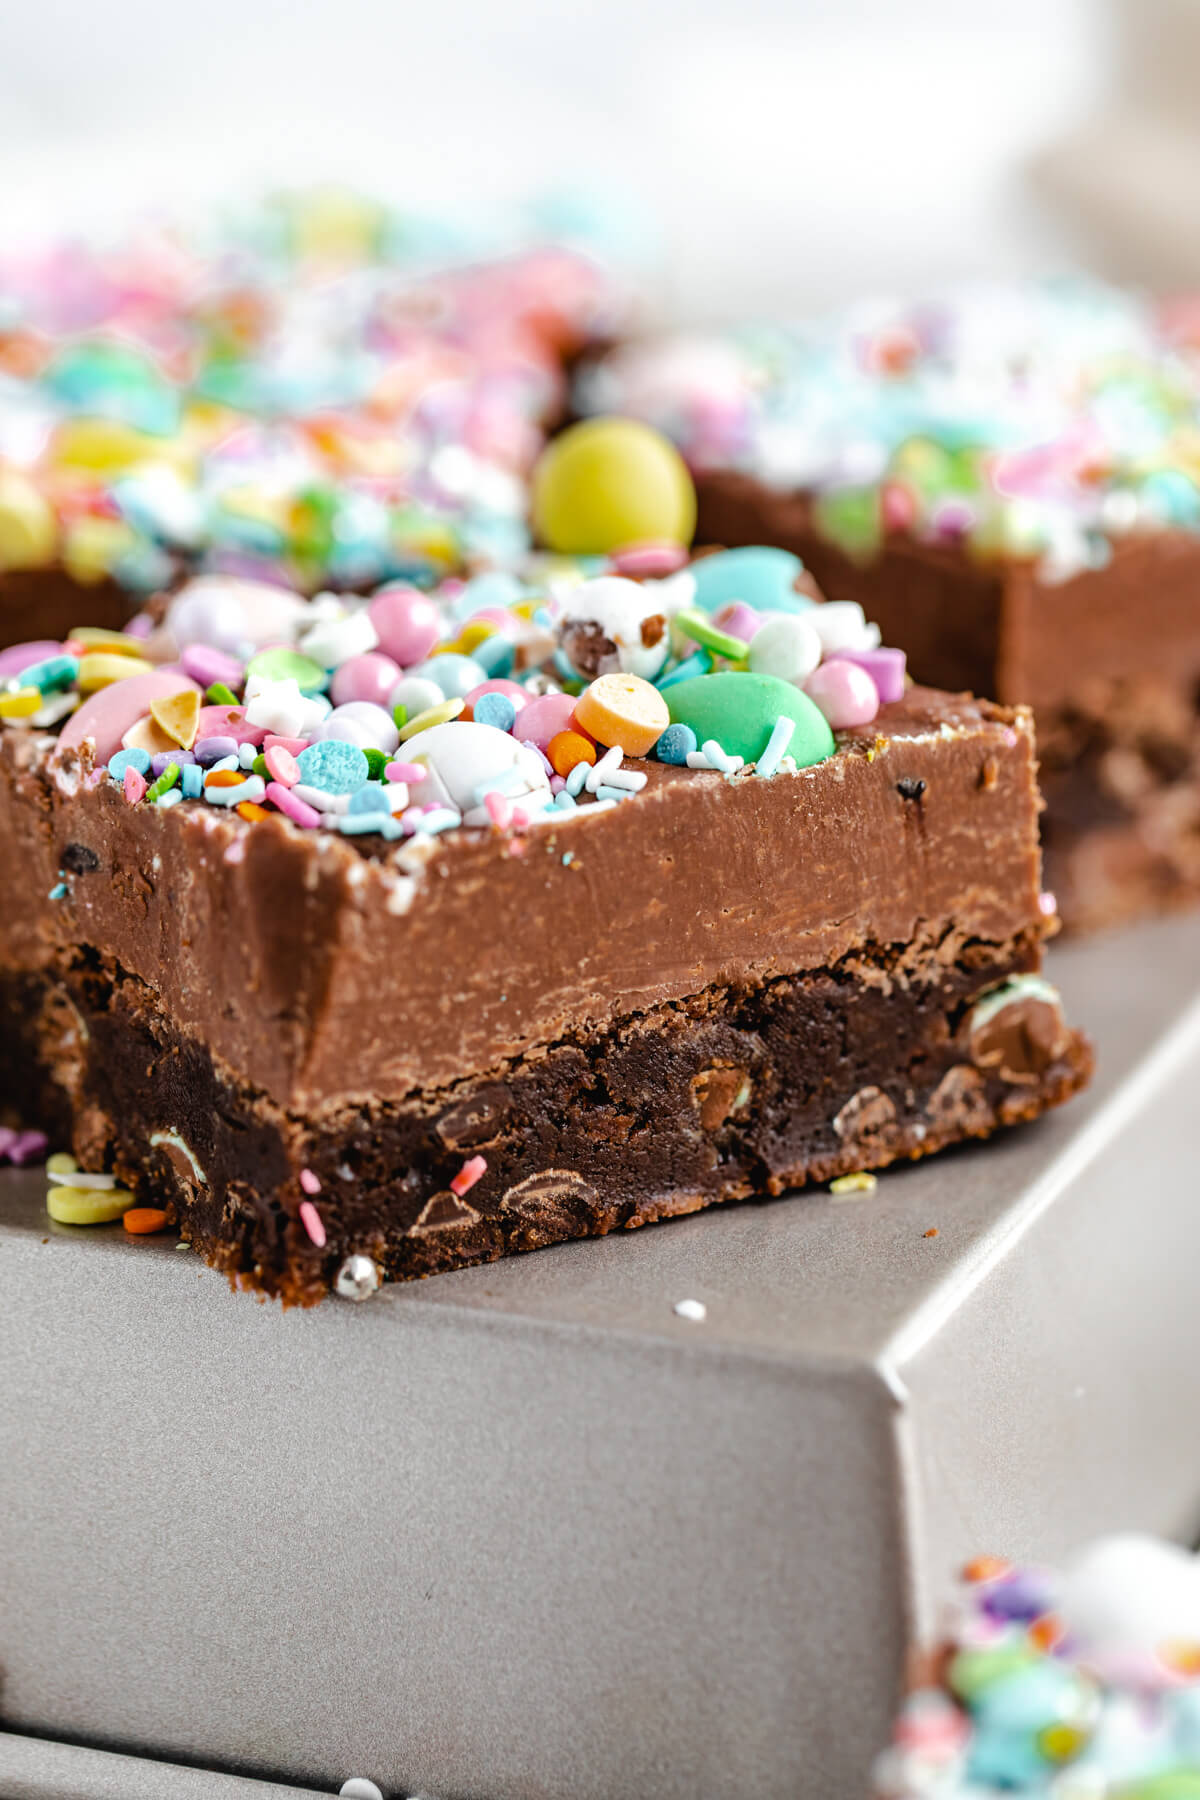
(1007, 480)
(322, 393)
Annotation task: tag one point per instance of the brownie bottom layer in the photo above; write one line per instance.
(730, 1094)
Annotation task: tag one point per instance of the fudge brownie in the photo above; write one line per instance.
(1049, 1683)
(559, 912)
(1008, 482)
(324, 394)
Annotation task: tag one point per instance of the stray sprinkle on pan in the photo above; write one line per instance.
(847, 1186)
(695, 1310)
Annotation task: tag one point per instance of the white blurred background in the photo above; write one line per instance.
(784, 152)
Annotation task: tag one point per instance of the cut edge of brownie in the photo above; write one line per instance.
(890, 1055)
(1118, 721)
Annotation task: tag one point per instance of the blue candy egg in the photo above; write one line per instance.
(676, 744)
(761, 577)
(456, 675)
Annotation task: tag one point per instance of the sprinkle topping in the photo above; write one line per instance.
(442, 744)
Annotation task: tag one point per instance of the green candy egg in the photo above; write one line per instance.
(606, 483)
(972, 1672)
(740, 710)
(282, 664)
(851, 518)
(1171, 1784)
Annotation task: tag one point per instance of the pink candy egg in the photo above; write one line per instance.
(652, 559)
(885, 667)
(516, 693)
(844, 692)
(738, 619)
(108, 715)
(370, 677)
(22, 656)
(544, 717)
(492, 615)
(207, 666)
(407, 623)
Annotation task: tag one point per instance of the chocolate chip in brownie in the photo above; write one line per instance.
(77, 859)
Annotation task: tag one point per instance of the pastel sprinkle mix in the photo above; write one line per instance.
(777, 743)
(312, 1222)
(310, 1182)
(389, 726)
(468, 1175)
(860, 1182)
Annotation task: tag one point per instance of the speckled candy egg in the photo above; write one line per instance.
(459, 758)
(626, 615)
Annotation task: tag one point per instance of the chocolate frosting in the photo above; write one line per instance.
(320, 969)
(990, 625)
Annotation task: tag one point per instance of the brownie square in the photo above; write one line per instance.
(1007, 482)
(728, 985)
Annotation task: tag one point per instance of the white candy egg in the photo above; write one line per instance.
(363, 723)
(1128, 1598)
(416, 694)
(459, 757)
(787, 646)
(229, 613)
(331, 641)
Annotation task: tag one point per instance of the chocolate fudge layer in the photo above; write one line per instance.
(1006, 479)
(1109, 659)
(727, 985)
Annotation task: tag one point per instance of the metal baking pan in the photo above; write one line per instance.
(526, 1531)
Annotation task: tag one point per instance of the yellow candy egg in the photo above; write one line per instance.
(94, 637)
(610, 482)
(94, 546)
(28, 528)
(107, 447)
(87, 1206)
(21, 704)
(100, 668)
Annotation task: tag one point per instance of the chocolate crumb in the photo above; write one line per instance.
(652, 630)
(77, 859)
(910, 787)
